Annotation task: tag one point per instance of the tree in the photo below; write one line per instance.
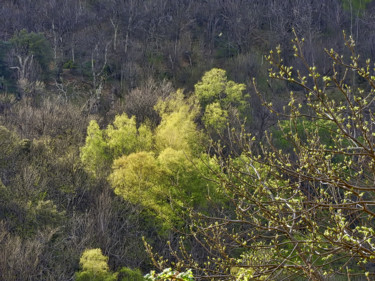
(33, 55)
(177, 129)
(167, 177)
(123, 137)
(164, 185)
(120, 138)
(135, 177)
(216, 87)
(215, 117)
(94, 266)
(307, 211)
(217, 96)
(95, 154)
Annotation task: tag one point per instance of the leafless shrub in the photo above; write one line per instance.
(141, 101)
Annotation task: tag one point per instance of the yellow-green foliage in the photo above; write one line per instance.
(215, 117)
(159, 180)
(216, 87)
(95, 152)
(122, 135)
(212, 86)
(121, 138)
(139, 179)
(94, 260)
(145, 138)
(94, 267)
(177, 128)
(216, 95)
(184, 176)
(173, 103)
(161, 184)
(234, 92)
(177, 170)
(135, 177)
(173, 161)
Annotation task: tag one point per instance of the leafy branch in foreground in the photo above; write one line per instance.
(169, 274)
(305, 208)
